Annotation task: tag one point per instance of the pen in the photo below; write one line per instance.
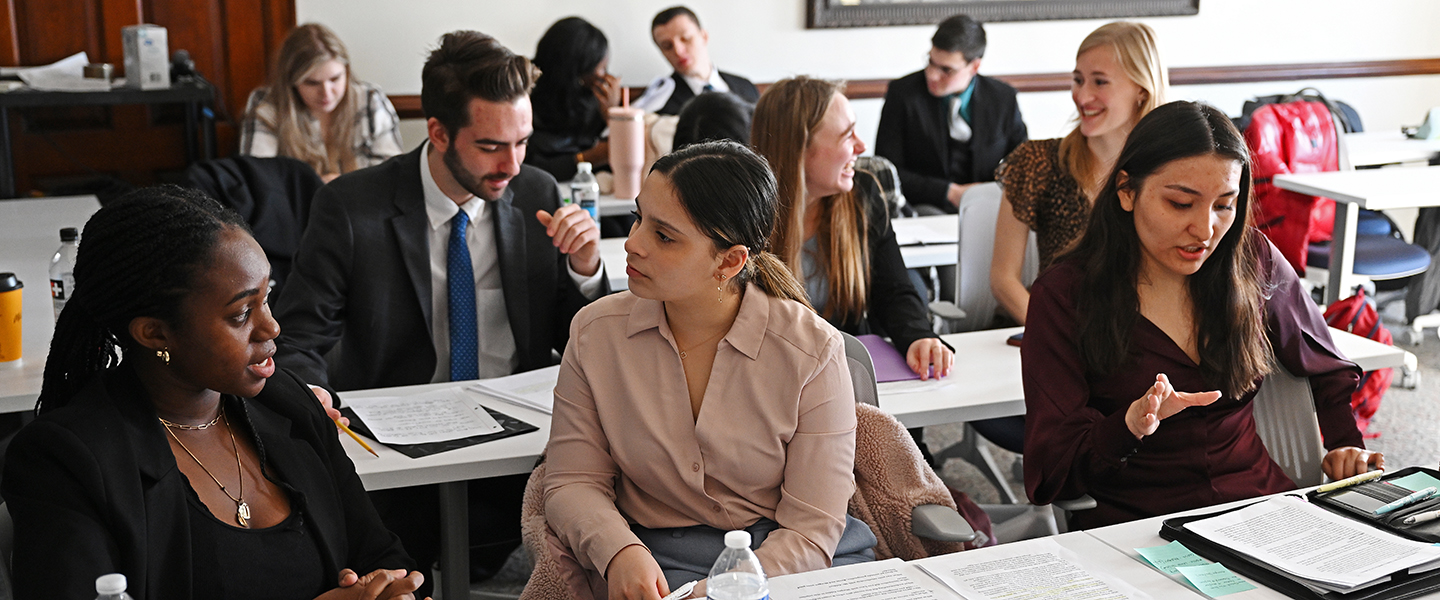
(355, 437)
(1422, 517)
(1406, 501)
(682, 591)
(1349, 481)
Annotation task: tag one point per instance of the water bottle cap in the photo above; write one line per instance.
(111, 584)
(69, 234)
(737, 539)
(9, 282)
(582, 167)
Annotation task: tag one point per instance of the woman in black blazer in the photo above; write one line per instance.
(191, 466)
(833, 229)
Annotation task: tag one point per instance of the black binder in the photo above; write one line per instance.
(512, 425)
(1400, 586)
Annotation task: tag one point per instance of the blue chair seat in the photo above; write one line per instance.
(1373, 223)
(1377, 257)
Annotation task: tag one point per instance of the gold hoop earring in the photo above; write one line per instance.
(164, 354)
(721, 289)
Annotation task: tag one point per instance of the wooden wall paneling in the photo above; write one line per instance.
(9, 41)
(49, 30)
(113, 16)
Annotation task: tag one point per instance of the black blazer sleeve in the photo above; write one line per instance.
(900, 123)
(312, 308)
(895, 306)
(54, 490)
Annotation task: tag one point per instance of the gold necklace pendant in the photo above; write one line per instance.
(242, 514)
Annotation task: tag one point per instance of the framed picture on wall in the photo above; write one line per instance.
(875, 13)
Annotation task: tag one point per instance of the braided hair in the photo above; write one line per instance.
(138, 257)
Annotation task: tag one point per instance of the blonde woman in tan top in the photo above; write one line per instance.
(709, 397)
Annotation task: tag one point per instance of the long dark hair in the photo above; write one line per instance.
(1227, 292)
(138, 258)
(730, 195)
(568, 52)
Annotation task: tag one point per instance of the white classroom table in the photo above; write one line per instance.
(1374, 148)
(1373, 189)
(450, 470)
(986, 381)
(924, 242)
(29, 237)
(1092, 555)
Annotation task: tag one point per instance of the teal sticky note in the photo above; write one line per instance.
(1170, 556)
(1416, 481)
(1214, 580)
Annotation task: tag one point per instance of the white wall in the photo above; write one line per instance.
(766, 40)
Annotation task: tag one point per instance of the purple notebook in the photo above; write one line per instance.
(889, 363)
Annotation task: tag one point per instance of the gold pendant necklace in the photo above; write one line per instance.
(686, 352)
(242, 510)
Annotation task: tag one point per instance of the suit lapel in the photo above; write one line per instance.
(940, 112)
(510, 243)
(411, 226)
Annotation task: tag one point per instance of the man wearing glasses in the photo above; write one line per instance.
(946, 127)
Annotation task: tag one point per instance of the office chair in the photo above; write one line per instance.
(974, 309)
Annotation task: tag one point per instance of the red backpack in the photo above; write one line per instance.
(1288, 138)
(1357, 315)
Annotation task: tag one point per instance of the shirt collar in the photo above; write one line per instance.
(745, 335)
(697, 85)
(439, 207)
(964, 99)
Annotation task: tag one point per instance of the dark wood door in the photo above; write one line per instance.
(231, 42)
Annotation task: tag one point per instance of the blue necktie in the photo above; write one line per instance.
(708, 88)
(464, 345)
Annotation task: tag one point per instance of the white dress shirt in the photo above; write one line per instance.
(659, 90)
(497, 355)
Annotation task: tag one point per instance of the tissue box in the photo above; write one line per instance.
(147, 57)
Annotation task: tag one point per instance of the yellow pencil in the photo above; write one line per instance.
(355, 437)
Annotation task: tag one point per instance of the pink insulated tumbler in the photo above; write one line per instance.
(627, 150)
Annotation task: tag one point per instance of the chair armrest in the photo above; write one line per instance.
(946, 310)
(940, 523)
(1076, 504)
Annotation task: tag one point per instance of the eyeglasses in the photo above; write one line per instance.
(944, 71)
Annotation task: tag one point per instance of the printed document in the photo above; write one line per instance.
(438, 416)
(534, 390)
(1314, 544)
(1038, 569)
(880, 580)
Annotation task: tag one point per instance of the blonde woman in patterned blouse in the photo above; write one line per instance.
(314, 111)
(1049, 185)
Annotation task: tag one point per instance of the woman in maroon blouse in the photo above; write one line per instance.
(1144, 345)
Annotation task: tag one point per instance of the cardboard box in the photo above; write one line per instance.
(147, 57)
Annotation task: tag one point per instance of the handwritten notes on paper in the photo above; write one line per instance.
(437, 416)
(1170, 557)
(1214, 580)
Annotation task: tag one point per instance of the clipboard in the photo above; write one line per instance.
(1400, 586)
(512, 425)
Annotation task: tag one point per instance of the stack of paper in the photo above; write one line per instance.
(66, 75)
(1320, 549)
(438, 416)
(534, 390)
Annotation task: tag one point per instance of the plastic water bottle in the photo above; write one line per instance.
(737, 574)
(585, 191)
(62, 269)
(111, 587)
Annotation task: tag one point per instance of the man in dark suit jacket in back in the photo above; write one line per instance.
(686, 46)
(454, 261)
(947, 127)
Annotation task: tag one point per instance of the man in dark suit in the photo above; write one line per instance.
(676, 31)
(451, 262)
(947, 127)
